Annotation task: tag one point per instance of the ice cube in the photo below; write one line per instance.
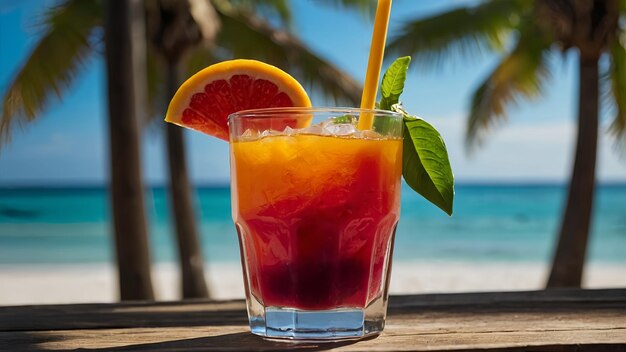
(340, 129)
(268, 133)
(289, 131)
(249, 135)
(313, 129)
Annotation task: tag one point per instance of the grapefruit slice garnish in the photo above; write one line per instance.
(205, 100)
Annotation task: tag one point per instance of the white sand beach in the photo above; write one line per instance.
(53, 284)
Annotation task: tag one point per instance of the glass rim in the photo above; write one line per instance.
(263, 112)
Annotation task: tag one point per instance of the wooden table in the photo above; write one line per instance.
(559, 320)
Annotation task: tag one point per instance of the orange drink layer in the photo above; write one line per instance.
(316, 216)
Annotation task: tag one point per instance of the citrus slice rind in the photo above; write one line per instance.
(205, 100)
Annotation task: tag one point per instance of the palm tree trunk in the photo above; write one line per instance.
(131, 241)
(189, 253)
(569, 258)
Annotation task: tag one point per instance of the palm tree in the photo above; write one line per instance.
(51, 67)
(183, 36)
(173, 29)
(123, 21)
(526, 33)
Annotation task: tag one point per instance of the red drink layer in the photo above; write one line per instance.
(316, 217)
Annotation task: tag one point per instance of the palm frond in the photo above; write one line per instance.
(521, 73)
(366, 7)
(280, 7)
(617, 75)
(244, 35)
(270, 9)
(461, 33)
(53, 64)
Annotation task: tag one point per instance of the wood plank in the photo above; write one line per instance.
(196, 312)
(237, 338)
(122, 315)
(562, 320)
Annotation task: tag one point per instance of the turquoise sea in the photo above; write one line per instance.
(50, 225)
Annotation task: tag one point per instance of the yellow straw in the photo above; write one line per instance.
(377, 49)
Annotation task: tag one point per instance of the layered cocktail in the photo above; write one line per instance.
(315, 203)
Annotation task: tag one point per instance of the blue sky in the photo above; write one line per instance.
(67, 144)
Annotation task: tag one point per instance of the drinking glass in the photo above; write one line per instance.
(315, 203)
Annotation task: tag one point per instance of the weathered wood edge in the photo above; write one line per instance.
(238, 339)
(232, 312)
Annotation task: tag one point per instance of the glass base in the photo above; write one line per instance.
(321, 325)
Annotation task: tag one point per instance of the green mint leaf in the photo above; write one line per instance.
(393, 82)
(425, 164)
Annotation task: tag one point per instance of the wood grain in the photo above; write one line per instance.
(558, 320)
